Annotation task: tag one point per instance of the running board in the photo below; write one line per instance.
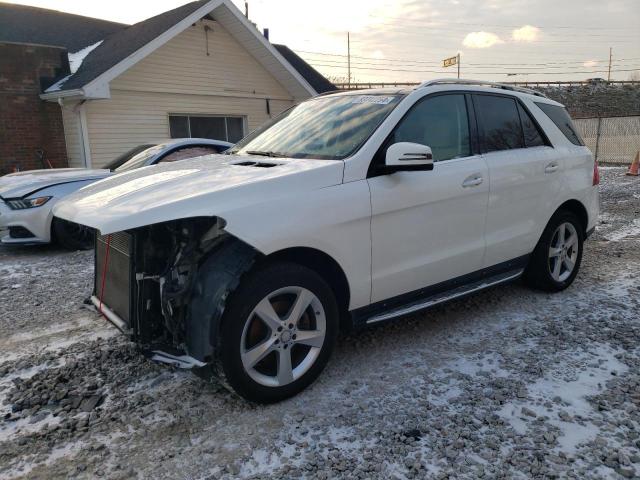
(445, 296)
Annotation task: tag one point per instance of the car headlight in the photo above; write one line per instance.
(23, 203)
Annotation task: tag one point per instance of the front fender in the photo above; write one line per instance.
(217, 277)
(335, 220)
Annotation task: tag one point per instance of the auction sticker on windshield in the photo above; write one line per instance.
(372, 99)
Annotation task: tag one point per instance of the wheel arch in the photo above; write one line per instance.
(578, 209)
(325, 266)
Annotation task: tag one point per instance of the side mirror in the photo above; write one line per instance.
(408, 156)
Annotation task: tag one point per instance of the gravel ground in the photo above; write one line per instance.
(508, 383)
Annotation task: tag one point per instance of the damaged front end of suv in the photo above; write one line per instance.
(165, 285)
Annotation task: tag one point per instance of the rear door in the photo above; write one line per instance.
(525, 176)
(428, 226)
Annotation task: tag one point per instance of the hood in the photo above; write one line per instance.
(194, 188)
(15, 185)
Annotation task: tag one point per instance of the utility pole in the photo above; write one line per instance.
(348, 61)
(609, 74)
(458, 62)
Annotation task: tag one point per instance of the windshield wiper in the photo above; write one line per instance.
(264, 154)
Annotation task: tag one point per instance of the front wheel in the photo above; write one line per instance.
(556, 260)
(277, 332)
(73, 236)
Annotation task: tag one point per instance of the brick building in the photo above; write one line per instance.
(34, 44)
(31, 130)
(85, 91)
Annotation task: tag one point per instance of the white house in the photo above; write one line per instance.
(200, 70)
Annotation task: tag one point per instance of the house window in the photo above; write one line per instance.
(229, 129)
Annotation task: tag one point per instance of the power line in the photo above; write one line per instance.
(426, 29)
(426, 62)
(476, 66)
(482, 73)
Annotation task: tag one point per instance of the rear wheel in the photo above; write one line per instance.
(556, 260)
(277, 332)
(72, 235)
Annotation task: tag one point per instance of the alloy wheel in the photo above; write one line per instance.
(283, 336)
(563, 252)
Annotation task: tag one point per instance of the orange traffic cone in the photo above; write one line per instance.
(633, 168)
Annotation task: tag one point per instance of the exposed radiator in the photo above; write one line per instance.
(114, 287)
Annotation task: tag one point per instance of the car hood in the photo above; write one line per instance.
(194, 188)
(20, 184)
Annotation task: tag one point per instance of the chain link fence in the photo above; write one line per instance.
(611, 139)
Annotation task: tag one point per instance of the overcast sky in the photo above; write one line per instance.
(406, 40)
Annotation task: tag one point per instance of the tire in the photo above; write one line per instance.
(72, 236)
(245, 335)
(548, 269)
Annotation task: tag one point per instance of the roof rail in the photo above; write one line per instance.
(458, 81)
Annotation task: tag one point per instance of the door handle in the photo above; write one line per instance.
(472, 181)
(552, 167)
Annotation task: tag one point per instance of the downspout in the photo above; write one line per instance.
(64, 130)
(84, 133)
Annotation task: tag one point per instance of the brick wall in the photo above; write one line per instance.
(27, 123)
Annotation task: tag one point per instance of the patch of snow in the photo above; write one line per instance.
(585, 377)
(603, 167)
(632, 230)
(56, 337)
(58, 85)
(75, 61)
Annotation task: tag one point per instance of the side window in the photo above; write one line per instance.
(532, 136)
(561, 118)
(500, 122)
(439, 122)
(215, 127)
(188, 152)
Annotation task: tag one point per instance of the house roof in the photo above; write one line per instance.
(114, 44)
(319, 83)
(40, 26)
(120, 45)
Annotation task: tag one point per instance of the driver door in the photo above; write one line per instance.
(428, 226)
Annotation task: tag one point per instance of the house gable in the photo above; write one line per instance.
(121, 51)
(204, 59)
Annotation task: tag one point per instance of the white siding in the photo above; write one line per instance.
(180, 78)
(132, 118)
(182, 66)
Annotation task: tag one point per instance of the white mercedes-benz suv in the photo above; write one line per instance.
(347, 210)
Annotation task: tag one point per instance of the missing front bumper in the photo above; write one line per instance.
(182, 361)
(111, 315)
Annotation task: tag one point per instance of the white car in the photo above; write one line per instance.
(348, 210)
(27, 198)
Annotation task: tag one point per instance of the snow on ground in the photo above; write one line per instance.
(631, 230)
(507, 383)
(569, 387)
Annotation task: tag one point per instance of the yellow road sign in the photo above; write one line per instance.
(449, 62)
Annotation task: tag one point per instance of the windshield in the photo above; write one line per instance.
(326, 128)
(140, 159)
(113, 164)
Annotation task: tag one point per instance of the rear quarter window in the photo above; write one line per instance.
(500, 122)
(560, 117)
